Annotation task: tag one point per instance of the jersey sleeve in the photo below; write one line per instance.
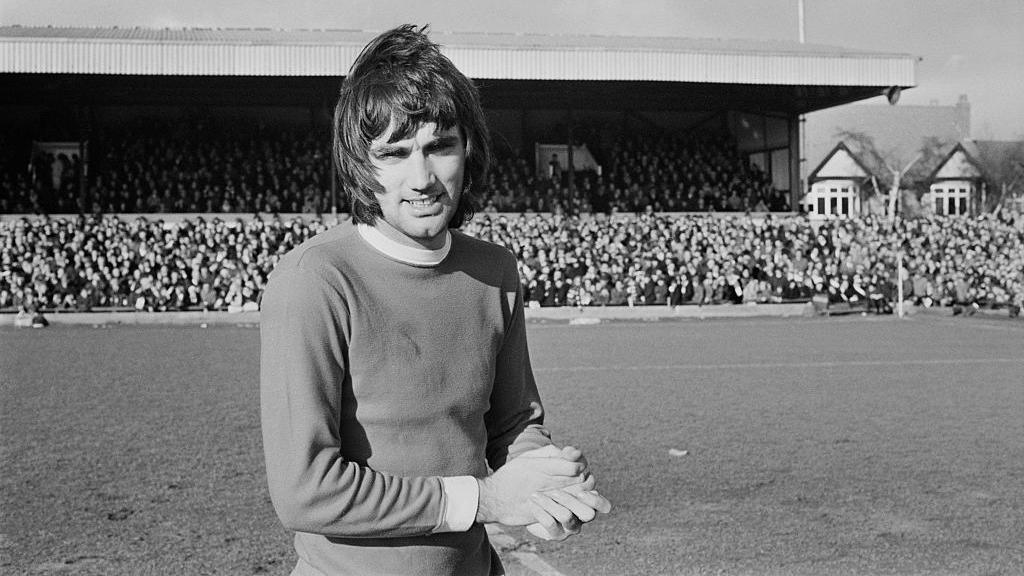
(302, 369)
(515, 420)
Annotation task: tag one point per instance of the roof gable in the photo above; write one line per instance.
(840, 163)
(958, 164)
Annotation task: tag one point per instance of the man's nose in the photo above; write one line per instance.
(420, 176)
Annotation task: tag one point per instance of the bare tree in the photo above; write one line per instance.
(1003, 165)
(902, 173)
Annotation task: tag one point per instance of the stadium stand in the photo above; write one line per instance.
(119, 263)
(204, 166)
(753, 91)
(657, 174)
(154, 166)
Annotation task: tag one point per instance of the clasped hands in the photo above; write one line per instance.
(549, 490)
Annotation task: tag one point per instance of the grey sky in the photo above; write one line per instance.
(973, 47)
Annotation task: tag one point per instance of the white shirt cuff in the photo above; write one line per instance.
(461, 498)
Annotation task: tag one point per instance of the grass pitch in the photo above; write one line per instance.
(813, 446)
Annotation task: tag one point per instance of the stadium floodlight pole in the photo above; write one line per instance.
(802, 119)
(800, 18)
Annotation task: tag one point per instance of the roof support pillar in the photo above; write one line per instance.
(796, 181)
(571, 173)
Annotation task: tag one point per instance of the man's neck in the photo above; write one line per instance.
(403, 252)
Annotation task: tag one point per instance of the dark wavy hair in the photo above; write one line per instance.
(402, 77)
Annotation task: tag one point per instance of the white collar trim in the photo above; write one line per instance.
(403, 253)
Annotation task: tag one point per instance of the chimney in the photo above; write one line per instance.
(963, 117)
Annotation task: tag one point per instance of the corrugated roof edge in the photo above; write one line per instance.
(499, 40)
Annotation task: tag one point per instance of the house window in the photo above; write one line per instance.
(938, 204)
(832, 204)
(951, 203)
(821, 205)
(845, 210)
(963, 205)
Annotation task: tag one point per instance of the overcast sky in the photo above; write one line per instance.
(973, 47)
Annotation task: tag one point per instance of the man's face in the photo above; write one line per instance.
(422, 180)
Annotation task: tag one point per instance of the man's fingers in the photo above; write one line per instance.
(558, 466)
(600, 503)
(571, 453)
(574, 454)
(587, 482)
(543, 517)
(549, 451)
(567, 521)
(577, 506)
(590, 497)
(546, 527)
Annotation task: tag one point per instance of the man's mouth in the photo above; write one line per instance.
(426, 202)
(422, 203)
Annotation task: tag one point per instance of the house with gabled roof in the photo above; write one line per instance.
(836, 185)
(956, 184)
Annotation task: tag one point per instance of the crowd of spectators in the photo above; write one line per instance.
(648, 259)
(203, 166)
(666, 174)
(109, 262)
(191, 167)
(663, 260)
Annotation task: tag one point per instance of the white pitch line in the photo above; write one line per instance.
(902, 362)
(528, 559)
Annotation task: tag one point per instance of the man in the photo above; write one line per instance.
(399, 408)
(555, 168)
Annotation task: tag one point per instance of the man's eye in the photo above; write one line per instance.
(443, 147)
